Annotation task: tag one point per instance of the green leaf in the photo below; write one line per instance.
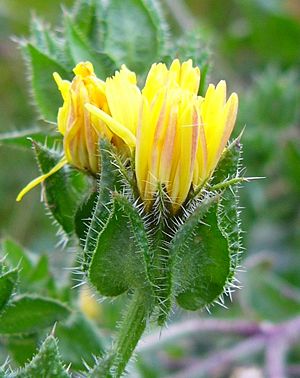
(45, 92)
(47, 363)
(119, 260)
(17, 256)
(109, 182)
(201, 258)
(50, 43)
(79, 340)
(83, 216)
(41, 270)
(7, 284)
(22, 348)
(61, 197)
(26, 314)
(80, 50)
(134, 34)
(33, 276)
(228, 208)
(43, 39)
(22, 138)
(228, 166)
(41, 280)
(87, 25)
(99, 31)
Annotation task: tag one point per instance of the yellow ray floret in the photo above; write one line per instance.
(116, 127)
(41, 179)
(180, 135)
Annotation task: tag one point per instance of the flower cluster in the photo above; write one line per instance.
(175, 136)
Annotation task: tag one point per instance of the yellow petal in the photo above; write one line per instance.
(41, 178)
(229, 118)
(188, 130)
(211, 117)
(168, 154)
(218, 118)
(143, 144)
(115, 126)
(175, 69)
(156, 79)
(63, 85)
(189, 77)
(84, 69)
(124, 98)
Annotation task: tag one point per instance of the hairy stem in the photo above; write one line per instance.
(130, 332)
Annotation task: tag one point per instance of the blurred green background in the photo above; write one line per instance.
(255, 47)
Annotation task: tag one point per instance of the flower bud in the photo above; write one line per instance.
(81, 129)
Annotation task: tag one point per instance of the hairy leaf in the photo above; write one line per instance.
(89, 25)
(228, 207)
(26, 314)
(46, 94)
(79, 339)
(61, 197)
(46, 363)
(83, 216)
(119, 260)
(22, 138)
(81, 50)
(17, 256)
(202, 263)
(8, 282)
(142, 37)
(109, 182)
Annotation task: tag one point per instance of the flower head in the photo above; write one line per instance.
(80, 128)
(178, 135)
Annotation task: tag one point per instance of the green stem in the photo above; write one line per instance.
(130, 332)
(160, 273)
(226, 184)
(161, 278)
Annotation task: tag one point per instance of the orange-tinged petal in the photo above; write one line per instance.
(189, 140)
(144, 139)
(115, 126)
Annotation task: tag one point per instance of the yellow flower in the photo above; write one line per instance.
(75, 123)
(81, 130)
(178, 136)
